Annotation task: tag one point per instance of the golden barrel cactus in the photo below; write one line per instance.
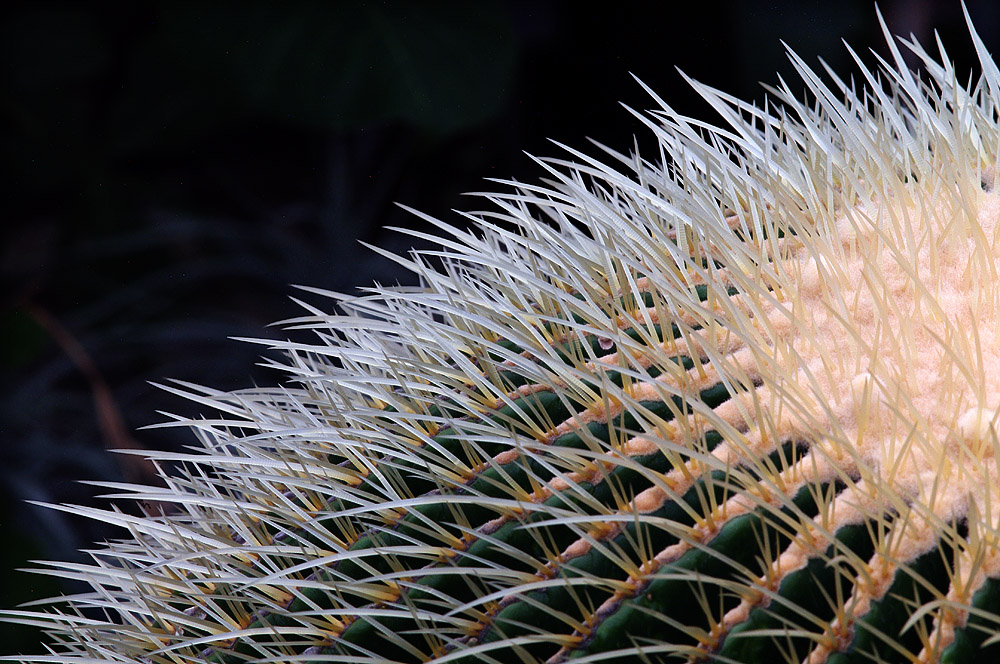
(737, 401)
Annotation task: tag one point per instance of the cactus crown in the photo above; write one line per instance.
(739, 403)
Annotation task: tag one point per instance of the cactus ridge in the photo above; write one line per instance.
(736, 405)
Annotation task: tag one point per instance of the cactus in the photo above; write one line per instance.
(736, 404)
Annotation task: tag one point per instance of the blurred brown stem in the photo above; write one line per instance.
(109, 418)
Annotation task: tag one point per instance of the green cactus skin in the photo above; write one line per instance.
(673, 413)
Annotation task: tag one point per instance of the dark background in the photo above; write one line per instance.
(170, 169)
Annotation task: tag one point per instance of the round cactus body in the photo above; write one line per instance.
(739, 404)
